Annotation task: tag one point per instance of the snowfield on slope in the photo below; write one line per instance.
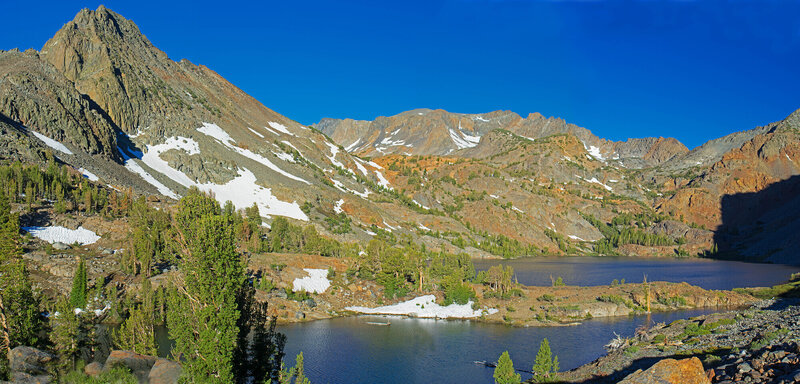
(52, 143)
(316, 281)
(225, 139)
(57, 234)
(425, 306)
(243, 192)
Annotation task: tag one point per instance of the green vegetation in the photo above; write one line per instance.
(80, 283)
(498, 278)
(212, 309)
(19, 305)
(504, 372)
(137, 332)
(115, 375)
(546, 366)
(65, 187)
(626, 228)
(788, 290)
(767, 338)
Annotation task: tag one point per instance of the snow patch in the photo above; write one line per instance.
(153, 159)
(463, 140)
(213, 130)
(573, 237)
(594, 180)
(134, 167)
(332, 157)
(59, 234)
(359, 166)
(352, 146)
(284, 156)
(316, 281)
(338, 207)
(280, 127)
(52, 143)
(89, 175)
(243, 192)
(595, 152)
(426, 307)
(256, 132)
(382, 180)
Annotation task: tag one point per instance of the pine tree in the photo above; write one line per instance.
(259, 348)
(80, 285)
(504, 372)
(66, 334)
(137, 333)
(203, 309)
(295, 375)
(546, 365)
(20, 321)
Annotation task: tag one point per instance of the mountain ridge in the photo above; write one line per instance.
(110, 104)
(438, 132)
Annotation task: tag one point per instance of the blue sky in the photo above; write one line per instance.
(687, 69)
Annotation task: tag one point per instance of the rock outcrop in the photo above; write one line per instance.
(670, 371)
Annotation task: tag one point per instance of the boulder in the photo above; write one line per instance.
(93, 369)
(61, 246)
(164, 372)
(29, 360)
(140, 365)
(686, 371)
(25, 378)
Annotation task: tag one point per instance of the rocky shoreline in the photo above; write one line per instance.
(756, 345)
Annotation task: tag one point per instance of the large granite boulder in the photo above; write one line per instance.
(670, 371)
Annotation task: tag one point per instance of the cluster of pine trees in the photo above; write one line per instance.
(625, 229)
(545, 367)
(221, 333)
(409, 267)
(65, 187)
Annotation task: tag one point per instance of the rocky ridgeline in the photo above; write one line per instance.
(757, 345)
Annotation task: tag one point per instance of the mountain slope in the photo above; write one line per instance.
(428, 132)
(101, 98)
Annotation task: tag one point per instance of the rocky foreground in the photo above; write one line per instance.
(757, 345)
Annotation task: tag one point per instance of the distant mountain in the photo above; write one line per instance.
(438, 132)
(101, 98)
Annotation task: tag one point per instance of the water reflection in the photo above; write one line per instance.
(709, 274)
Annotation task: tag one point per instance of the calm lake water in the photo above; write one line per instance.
(348, 350)
(587, 271)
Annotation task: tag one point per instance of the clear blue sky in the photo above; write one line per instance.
(691, 70)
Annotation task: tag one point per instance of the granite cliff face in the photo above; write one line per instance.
(38, 97)
(749, 195)
(101, 98)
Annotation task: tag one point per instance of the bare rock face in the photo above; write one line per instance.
(670, 371)
(35, 94)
